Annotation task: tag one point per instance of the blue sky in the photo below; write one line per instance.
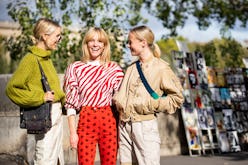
(190, 30)
(192, 33)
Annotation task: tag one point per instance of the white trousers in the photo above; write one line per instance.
(49, 149)
(139, 143)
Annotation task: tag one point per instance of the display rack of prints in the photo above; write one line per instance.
(197, 111)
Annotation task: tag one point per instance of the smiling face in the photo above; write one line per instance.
(135, 45)
(51, 40)
(95, 47)
(47, 34)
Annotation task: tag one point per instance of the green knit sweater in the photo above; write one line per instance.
(25, 87)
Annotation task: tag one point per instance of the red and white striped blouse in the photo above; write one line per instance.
(91, 84)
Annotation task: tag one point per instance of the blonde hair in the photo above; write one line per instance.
(103, 37)
(43, 26)
(145, 33)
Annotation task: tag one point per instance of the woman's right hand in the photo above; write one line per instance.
(73, 131)
(74, 140)
(49, 96)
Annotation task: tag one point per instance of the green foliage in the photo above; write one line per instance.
(116, 17)
(174, 14)
(166, 47)
(110, 15)
(232, 52)
(222, 53)
(226, 12)
(209, 50)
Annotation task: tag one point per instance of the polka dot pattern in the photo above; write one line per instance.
(97, 126)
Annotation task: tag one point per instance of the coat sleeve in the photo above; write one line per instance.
(120, 97)
(173, 90)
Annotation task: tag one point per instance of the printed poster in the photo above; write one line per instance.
(191, 125)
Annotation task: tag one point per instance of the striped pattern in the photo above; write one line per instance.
(91, 85)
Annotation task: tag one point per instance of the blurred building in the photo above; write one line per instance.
(9, 29)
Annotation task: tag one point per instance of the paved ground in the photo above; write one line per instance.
(239, 158)
(11, 160)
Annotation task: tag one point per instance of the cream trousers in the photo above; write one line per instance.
(139, 143)
(49, 149)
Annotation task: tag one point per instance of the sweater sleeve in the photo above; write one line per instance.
(24, 88)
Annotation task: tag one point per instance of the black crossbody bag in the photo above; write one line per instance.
(37, 120)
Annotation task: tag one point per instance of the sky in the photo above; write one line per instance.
(193, 34)
(189, 31)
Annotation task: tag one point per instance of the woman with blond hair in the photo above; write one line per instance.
(25, 89)
(89, 86)
(138, 104)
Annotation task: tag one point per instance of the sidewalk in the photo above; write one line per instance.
(238, 158)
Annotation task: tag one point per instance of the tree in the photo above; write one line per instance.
(174, 14)
(167, 46)
(222, 53)
(210, 53)
(232, 52)
(116, 17)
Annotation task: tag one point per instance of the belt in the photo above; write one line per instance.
(95, 108)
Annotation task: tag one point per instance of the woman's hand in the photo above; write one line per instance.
(74, 140)
(49, 96)
(73, 132)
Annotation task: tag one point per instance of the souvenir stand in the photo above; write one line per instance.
(229, 94)
(197, 111)
(215, 111)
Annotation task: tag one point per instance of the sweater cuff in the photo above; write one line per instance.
(71, 111)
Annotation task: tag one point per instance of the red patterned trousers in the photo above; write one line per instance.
(97, 126)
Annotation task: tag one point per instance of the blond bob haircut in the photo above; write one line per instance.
(44, 26)
(145, 33)
(102, 37)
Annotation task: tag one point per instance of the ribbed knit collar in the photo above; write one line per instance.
(39, 52)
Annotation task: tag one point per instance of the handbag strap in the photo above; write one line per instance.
(44, 81)
(143, 79)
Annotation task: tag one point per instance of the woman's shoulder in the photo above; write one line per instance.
(29, 56)
(113, 64)
(27, 59)
(161, 63)
(76, 64)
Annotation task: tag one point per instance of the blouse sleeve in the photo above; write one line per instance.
(118, 78)
(71, 89)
